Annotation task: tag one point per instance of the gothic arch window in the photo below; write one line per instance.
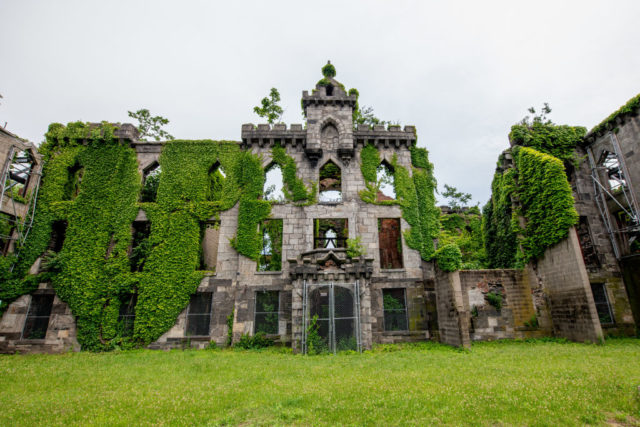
(330, 183)
(273, 184)
(385, 182)
(217, 177)
(151, 182)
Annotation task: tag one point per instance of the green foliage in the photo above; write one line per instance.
(150, 187)
(414, 194)
(150, 126)
(465, 230)
(500, 238)
(329, 70)
(532, 323)
(494, 299)
(391, 303)
(294, 188)
(229, 330)
(449, 257)
(545, 198)
(315, 343)
(355, 248)
(93, 270)
(631, 107)
(543, 135)
(457, 199)
(271, 253)
(270, 108)
(255, 342)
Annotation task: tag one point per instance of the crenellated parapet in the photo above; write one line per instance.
(382, 137)
(266, 135)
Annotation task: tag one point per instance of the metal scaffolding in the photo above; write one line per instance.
(612, 187)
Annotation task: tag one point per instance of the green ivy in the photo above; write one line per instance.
(545, 198)
(273, 261)
(294, 188)
(465, 230)
(500, 239)
(557, 140)
(414, 194)
(93, 271)
(449, 257)
(631, 107)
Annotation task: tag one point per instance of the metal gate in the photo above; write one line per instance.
(331, 317)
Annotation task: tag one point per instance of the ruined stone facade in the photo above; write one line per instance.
(378, 297)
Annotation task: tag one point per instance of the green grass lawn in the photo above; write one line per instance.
(538, 383)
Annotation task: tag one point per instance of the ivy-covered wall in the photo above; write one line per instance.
(414, 194)
(92, 271)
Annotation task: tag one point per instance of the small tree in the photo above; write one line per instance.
(457, 199)
(150, 126)
(270, 108)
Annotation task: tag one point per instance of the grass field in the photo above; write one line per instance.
(538, 383)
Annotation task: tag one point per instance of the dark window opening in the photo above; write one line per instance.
(73, 183)
(35, 327)
(273, 184)
(7, 228)
(601, 301)
(151, 183)
(267, 312)
(390, 243)
(58, 233)
(210, 237)
(330, 233)
(395, 309)
(271, 253)
(329, 89)
(589, 253)
(199, 314)
(127, 314)
(330, 183)
(217, 177)
(386, 182)
(141, 245)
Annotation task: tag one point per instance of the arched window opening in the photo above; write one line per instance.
(216, 182)
(271, 253)
(329, 90)
(386, 182)
(330, 183)
(151, 183)
(74, 181)
(330, 233)
(273, 184)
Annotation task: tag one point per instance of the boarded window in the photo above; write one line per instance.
(151, 183)
(390, 243)
(35, 327)
(395, 309)
(267, 310)
(330, 233)
(127, 314)
(601, 300)
(330, 183)
(271, 253)
(199, 314)
(210, 238)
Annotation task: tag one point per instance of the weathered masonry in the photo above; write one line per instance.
(195, 246)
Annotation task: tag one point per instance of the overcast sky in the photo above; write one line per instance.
(462, 72)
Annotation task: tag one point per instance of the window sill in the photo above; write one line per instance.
(392, 270)
(398, 333)
(268, 273)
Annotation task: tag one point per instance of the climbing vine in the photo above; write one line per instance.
(464, 228)
(414, 195)
(294, 188)
(449, 257)
(630, 107)
(91, 181)
(557, 140)
(499, 236)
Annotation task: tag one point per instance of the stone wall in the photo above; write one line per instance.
(453, 322)
(566, 285)
(515, 318)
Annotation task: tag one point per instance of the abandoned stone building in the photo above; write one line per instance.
(336, 265)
